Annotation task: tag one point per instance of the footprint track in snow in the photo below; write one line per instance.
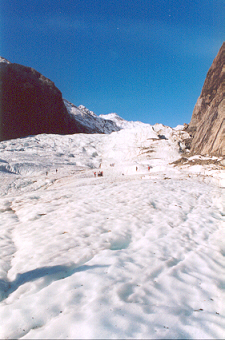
(8, 221)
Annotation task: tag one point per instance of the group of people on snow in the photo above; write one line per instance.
(100, 173)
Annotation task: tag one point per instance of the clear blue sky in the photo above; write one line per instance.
(145, 60)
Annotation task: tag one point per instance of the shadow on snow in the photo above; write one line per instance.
(50, 274)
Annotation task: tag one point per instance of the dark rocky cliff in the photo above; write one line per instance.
(31, 104)
(207, 125)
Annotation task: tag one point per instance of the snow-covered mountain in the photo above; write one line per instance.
(88, 119)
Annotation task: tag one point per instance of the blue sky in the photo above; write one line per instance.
(145, 60)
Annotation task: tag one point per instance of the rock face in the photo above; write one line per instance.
(31, 104)
(207, 126)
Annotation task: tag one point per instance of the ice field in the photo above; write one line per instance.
(137, 253)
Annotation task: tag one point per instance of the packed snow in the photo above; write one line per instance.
(136, 253)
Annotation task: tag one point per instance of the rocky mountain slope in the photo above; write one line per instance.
(31, 104)
(88, 119)
(207, 125)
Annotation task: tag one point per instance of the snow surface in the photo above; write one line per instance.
(137, 253)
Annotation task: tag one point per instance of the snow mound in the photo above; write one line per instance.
(120, 122)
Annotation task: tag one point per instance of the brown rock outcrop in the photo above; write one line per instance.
(31, 104)
(207, 126)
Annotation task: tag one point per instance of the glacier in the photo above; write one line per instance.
(136, 253)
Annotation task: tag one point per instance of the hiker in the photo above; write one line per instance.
(95, 174)
(136, 168)
(148, 168)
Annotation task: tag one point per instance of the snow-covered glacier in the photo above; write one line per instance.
(136, 253)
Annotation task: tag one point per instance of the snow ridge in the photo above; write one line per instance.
(94, 123)
(3, 60)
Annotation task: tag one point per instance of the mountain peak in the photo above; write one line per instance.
(3, 60)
